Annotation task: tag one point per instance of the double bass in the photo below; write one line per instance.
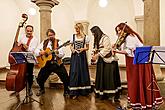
(16, 77)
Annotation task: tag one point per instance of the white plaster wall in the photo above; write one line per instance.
(139, 7)
(67, 12)
(24, 6)
(79, 8)
(63, 23)
(8, 22)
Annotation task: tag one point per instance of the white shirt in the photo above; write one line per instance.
(130, 44)
(33, 43)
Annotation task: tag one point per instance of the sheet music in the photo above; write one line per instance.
(159, 55)
(24, 57)
(150, 54)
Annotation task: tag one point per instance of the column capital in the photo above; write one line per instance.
(50, 3)
(139, 18)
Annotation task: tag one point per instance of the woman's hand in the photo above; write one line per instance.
(95, 57)
(73, 50)
(81, 49)
(113, 51)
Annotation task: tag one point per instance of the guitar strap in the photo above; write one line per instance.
(45, 44)
(55, 44)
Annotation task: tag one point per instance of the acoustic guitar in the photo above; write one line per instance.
(48, 56)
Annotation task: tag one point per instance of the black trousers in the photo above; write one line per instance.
(48, 69)
(30, 67)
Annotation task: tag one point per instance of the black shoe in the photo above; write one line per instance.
(129, 105)
(73, 97)
(66, 93)
(119, 108)
(117, 100)
(96, 95)
(40, 92)
(103, 97)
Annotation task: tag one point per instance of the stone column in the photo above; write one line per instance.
(45, 7)
(152, 27)
(45, 15)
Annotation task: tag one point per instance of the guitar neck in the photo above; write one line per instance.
(59, 47)
(64, 44)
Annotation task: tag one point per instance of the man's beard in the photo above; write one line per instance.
(52, 38)
(28, 35)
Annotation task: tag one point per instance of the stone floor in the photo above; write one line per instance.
(54, 100)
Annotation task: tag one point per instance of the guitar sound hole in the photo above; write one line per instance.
(46, 55)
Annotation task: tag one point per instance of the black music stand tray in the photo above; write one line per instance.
(152, 55)
(25, 57)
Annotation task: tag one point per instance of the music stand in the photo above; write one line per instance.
(152, 55)
(25, 57)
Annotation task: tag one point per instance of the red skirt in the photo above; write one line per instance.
(143, 92)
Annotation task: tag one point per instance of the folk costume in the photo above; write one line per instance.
(139, 79)
(107, 82)
(79, 73)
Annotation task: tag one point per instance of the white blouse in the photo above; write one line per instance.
(105, 42)
(130, 44)
(87, 40)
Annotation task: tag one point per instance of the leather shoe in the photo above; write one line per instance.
(117, 100)
(73, 97)
(40, 92)
(66, 93)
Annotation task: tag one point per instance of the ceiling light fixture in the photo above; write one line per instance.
(103, 3)
(32, 11)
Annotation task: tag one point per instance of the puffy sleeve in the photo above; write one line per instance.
(87, 39)
(130, 45)
(106, 43)
(71, 39)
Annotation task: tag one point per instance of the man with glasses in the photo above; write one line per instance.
(51, 65)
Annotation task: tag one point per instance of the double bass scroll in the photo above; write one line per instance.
(16, 47)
